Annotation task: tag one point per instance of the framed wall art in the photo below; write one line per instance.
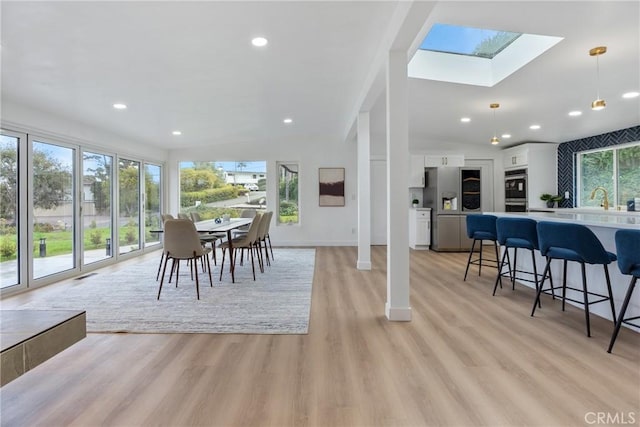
(331, 186)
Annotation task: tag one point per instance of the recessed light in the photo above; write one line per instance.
(534, 127)
(506, 135)
(630, 95)
(259, 41)
(287, 121)
(176, 132)
(575, 113)
(119, 106)
(465, 120)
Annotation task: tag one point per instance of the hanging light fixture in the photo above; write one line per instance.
(598, 104)
(494, 140)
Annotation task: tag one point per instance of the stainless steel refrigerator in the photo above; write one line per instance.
(452, 193)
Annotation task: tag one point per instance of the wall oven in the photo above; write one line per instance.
(515, 190)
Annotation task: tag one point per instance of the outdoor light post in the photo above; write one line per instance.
(43, 247)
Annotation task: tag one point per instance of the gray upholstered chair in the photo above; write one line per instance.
(181, 241)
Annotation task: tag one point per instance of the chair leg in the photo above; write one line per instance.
(253, 267)
(473, 245)
(500, 267)
(535, 272)
(547, 269)
(195, 263)
(480, 262)
(270, 247)
(564, 284)
(515, 269)
(163, 271)
(586, 299)
(623, 310)
(160, 266)
(606, 275)
(209, 268)
(224, 251)
(213, 252)
(177, 263)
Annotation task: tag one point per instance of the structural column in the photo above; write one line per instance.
(397, 306)
(364, 193)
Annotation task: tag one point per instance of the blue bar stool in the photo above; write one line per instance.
(573, 242)
(481, 227)
(628, 248)
(517, 233)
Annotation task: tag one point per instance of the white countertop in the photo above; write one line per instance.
(594, 218)
(587, 211)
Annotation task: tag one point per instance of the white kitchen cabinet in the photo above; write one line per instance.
(416, 171)
(452, 160)
(420, 228)
(541, 165)
(517, 157)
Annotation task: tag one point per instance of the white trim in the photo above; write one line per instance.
(397, 314)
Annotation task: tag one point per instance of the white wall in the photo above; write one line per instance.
(319, 226)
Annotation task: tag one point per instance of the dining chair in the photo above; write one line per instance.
(163, 217)
(245, 213)
(207, 237)
(246, 241)
(263, 235)
(267, 237)
(181, 242)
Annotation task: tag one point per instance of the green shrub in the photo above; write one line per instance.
(93, 224)
(43, 227)
(288, 208)
(96, 238)
(207, 196)
(7, 248)
(131, 235)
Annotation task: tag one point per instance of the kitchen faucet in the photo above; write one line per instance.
(605, 199)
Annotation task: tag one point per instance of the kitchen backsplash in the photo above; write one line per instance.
(567, 151)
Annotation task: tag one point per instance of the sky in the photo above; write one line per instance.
(453, 38)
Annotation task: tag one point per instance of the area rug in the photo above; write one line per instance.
(277, 302)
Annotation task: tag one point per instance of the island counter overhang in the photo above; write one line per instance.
(604, 225)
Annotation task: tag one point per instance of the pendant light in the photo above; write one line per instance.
(598, 104)
(494, 140)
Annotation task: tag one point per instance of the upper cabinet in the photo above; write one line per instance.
(453, 160)
(416, 171)
(515, 157)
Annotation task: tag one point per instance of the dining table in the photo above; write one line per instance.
(218, 226)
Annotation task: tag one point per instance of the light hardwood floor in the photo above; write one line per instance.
(466, 359)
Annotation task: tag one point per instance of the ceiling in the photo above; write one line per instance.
(190, 66)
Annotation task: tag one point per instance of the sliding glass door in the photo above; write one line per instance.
(97, 218)
(52, 169)
(152, 203)
(9, 217)
(129, 205)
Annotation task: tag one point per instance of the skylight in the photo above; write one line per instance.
(467, 41)
(474, 56)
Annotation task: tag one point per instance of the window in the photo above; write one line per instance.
(129, 201)
(96, 215)
(9, 195)
(53, 200)
(288, 212)
(152, 203)
(212, 189)
(615, 170)
(467, 41)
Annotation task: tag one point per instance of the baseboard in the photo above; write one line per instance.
(397, 314)
(363, 265)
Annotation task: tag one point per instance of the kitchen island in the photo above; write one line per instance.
(604, 224)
